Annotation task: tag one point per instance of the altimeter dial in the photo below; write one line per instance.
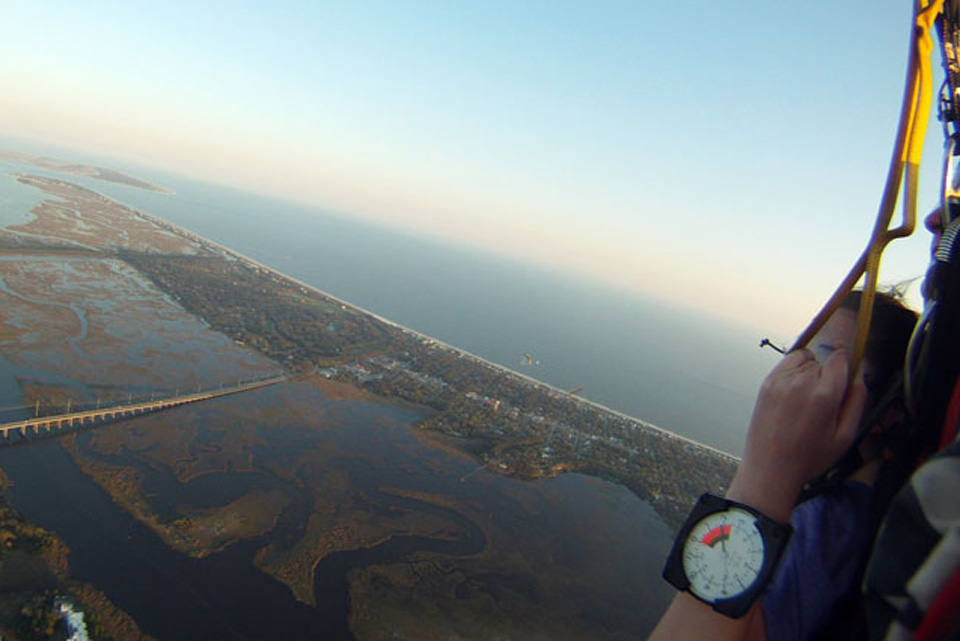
(726, 554)
(723, 555)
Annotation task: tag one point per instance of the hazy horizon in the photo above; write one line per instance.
(155, 174)
(696, 164)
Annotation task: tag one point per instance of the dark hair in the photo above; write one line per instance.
(890, 330)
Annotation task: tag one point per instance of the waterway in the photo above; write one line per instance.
(602, 545)
(15, 201)
(171, 595)
(595, 546)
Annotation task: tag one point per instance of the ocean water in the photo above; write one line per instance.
(687, 373)
(15, 201)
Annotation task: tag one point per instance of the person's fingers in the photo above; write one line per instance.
(796, 362)
(833, 376)
(848, 421)
(797, 358)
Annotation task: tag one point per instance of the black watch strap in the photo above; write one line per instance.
(773, 534)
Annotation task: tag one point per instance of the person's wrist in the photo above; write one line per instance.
(772, 496)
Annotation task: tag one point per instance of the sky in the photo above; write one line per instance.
(724, 156)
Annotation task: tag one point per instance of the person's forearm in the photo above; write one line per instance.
(775, 500)
(805, 417)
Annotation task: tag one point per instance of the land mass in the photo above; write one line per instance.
(109, 281)
(76, 169)
(512, 424)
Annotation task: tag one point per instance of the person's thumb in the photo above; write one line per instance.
(834, 375)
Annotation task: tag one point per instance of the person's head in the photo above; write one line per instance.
(890, 330)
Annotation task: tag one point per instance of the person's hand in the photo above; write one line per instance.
(805, 418)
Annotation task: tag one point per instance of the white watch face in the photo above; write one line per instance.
(723, 555)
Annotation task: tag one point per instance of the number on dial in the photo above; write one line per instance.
(723, 554)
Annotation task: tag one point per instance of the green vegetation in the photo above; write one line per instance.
(515, 425)
(33, 579)
(283, 321)
(37, 619)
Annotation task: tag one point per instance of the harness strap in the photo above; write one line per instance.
(917, 551)
(905, 162)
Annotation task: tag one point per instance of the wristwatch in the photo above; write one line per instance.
(725, 554)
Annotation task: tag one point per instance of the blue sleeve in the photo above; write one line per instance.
(831, 535)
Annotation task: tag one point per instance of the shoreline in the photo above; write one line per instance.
(353, 506)
(253, 263)
(80, 170)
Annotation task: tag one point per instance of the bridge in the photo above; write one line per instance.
(58, 423)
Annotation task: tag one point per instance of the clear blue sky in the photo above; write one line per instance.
(726, 155)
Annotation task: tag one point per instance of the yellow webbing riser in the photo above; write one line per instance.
(914, 115)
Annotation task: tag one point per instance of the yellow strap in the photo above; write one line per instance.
(914, 114)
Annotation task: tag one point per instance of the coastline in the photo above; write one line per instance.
(257, 265)
(534, 428)
(84, 171)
